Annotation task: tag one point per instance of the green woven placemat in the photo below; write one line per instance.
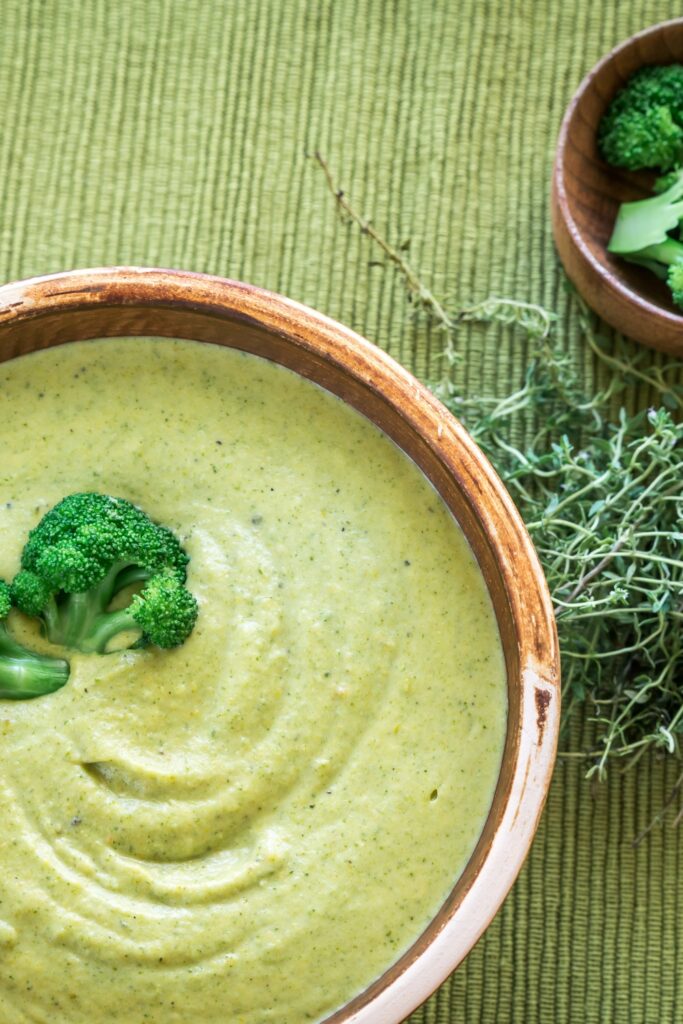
(174, 134)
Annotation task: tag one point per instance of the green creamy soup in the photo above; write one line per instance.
(254, 826)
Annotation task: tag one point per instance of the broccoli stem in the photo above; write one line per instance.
(50, 617)
(131, 574)
(82, 619)
(646, 222)
(121, 574)
(668, 252)
(24, 674)
(658, 257)
(104, 628)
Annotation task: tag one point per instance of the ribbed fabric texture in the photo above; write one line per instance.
(175, 133)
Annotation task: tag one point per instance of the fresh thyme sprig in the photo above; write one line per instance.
(600, 490)
(534, 320)
(417, 292)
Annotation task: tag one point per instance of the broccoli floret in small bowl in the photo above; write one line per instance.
(643, 129)
(643, 125)
(644, 233)
(621, 141)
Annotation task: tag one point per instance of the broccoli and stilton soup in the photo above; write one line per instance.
(252, 826)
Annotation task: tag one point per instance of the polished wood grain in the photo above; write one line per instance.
(586, 194)
(109, 302)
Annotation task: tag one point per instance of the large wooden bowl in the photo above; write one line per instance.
(53, 310)
(586, 193)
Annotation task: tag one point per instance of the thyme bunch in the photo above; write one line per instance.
(600, 489)
(602, 498)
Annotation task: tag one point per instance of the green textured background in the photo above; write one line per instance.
(173, 133)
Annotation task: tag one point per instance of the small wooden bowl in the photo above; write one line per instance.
(586, 193)
(111, 302)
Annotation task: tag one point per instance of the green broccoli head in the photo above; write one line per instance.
(639, 139)
(643, 125)
(674, 280)
(30, 593)
(84, 536)
(5, 600)
(656, 85)
(81, 555)
(23, 673)
(665, 181)
(165, 611)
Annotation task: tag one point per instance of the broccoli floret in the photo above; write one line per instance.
(641, 235)
(643, 125)
(82, 554)
(164, 612)
(23, 673)
(674, 279)
(636, 140)
(664, 182)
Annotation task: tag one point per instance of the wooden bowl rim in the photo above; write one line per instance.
(562, 202)
(441, 947)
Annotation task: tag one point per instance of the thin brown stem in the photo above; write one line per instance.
(595, 571)
(535, 321)
(658, 817)
(415, 287)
